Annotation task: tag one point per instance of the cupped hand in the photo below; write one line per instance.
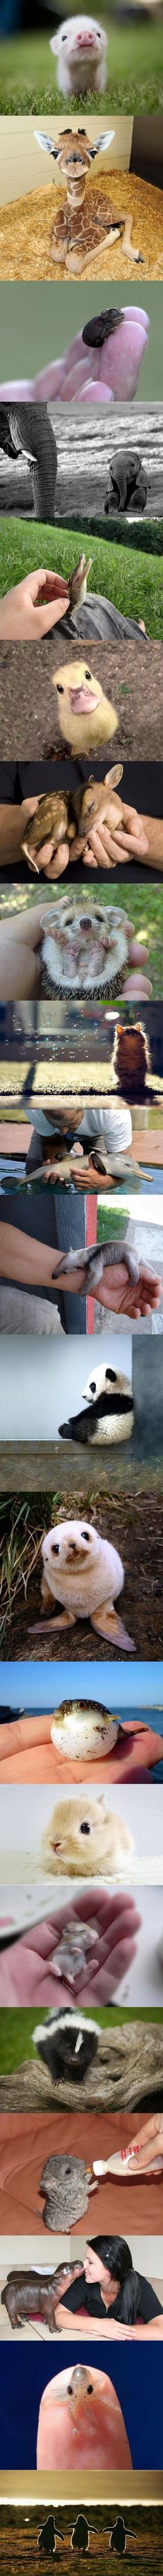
(136, 1751)
(33, 606)
(27, 1970)
(107, 847)
(125, 1296)
(147, 2145)
(104, 373)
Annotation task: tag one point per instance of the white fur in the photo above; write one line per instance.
(86, 1572)
(79, 70)
(105, 1853)
(99, 1377)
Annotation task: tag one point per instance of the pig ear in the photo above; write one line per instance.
(113, 775)
(46, 144)
(103, 141)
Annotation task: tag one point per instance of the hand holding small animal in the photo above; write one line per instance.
(102, 363)
(33, 606)
(81, 2420)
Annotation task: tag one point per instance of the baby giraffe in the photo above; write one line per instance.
(84, 225)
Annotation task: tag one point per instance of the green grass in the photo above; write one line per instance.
(111, 1222)
(28, 78)
(133, 582)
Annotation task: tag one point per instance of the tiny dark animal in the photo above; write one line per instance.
(102, 327)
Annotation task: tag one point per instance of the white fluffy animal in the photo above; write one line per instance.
(80, 46)
(84, 1838)
(83, 1574)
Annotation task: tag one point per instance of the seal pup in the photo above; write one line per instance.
(83, 1574)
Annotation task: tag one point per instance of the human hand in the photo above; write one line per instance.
(107, 848)
(27, 1969)
(33, 606)
(89, 372)
(146, 2146)
(136, 1751)
(125, 1296)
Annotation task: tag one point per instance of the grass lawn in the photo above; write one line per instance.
(134, 582)
(28, 77)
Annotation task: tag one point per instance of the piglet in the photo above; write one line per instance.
(80, 46)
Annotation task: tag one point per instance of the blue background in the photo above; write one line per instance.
(42, 1686)
(136, 2375)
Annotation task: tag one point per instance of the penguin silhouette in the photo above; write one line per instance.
(80, 2534)
(118, 2538)
(47, 2537)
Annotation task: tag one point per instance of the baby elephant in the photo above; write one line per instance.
(83, 1574)
(84, 1837)
(127, 489)
(35, 2294)
(67, 2183)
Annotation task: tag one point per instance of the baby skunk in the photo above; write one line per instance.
(67, 2043)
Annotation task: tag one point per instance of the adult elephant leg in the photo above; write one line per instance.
(31, 433)
(40, 444)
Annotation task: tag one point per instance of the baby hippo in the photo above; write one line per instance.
(83, 1574)
(84, 1837)
(35, 2294)
(81, 48)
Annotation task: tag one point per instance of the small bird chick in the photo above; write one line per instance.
(86, 717)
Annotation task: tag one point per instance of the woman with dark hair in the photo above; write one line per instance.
(112, 2291)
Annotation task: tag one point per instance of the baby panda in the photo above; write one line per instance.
(81, 48)
(67, 2042)
(85, 1839)
(110, 1415)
